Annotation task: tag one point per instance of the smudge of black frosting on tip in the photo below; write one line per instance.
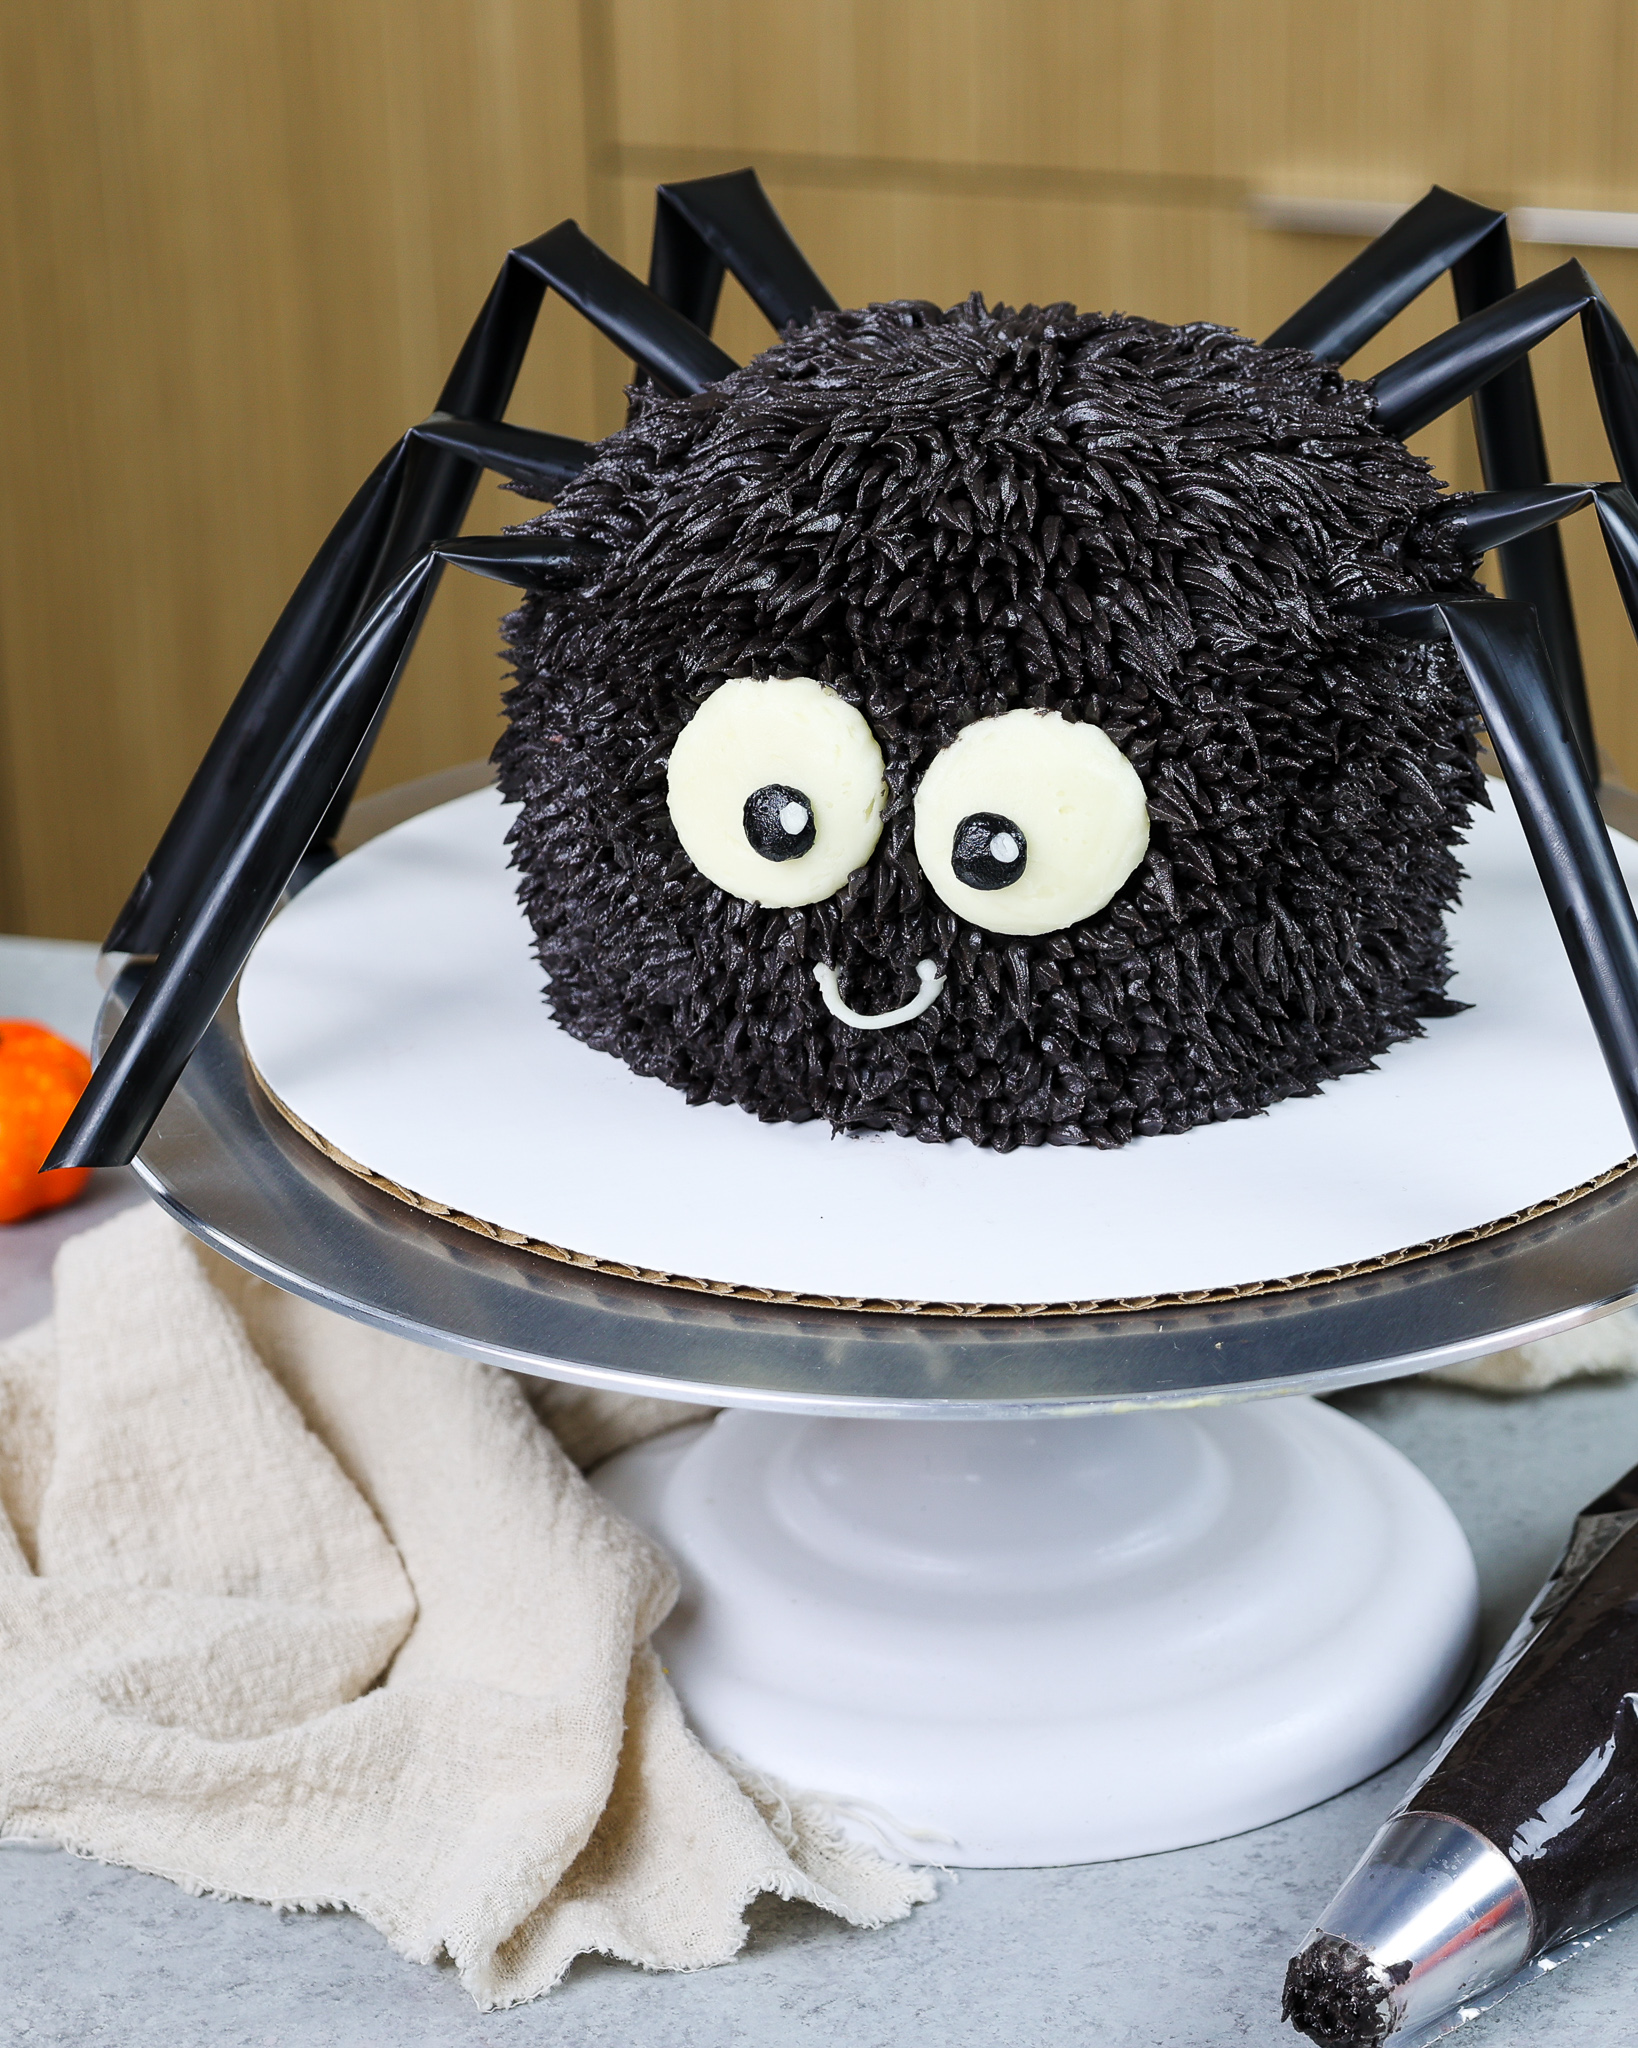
(1337, 1996)
(945, 516)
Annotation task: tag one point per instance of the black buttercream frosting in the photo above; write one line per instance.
(1547, 1769)
(1337, 1996)
(946, 516)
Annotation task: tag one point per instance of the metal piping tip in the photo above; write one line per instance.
(1433, 1915)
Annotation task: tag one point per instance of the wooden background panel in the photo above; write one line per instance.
(1534, 93)
(240, 241)
(243, 244)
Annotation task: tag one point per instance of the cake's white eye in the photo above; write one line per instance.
(1027, 823)
(776, 790)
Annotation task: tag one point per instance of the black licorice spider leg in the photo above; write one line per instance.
(1505, 662)
(1415, 390)
(1533, 700)
(1551, 772)
(184, 987)
(704, 227)
(1446, 232)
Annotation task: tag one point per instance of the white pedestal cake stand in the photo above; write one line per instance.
(1125, 1608)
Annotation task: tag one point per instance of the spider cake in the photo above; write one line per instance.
(963, 734)
(1024, 727)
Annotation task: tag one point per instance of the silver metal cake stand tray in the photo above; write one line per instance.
(1110, 1615)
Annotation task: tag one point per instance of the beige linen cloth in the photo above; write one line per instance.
(297, 1611)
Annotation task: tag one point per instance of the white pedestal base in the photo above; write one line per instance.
(1057, 1642)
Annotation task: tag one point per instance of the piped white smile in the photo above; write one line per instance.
(932, 987)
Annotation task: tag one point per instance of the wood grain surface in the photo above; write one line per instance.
(241, 240)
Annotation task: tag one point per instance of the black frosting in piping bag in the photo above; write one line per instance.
(1545, 1762)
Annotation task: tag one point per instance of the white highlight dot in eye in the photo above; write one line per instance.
(794, 818)
(1004, 848)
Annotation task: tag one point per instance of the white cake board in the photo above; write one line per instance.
(395, 1008)
(1056, 1643)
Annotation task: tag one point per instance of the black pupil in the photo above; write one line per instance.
(989, 851)
(778, 821)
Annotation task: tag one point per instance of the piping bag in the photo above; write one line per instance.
(1521, 1837)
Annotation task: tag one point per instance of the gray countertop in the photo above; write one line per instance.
(1185, 1950)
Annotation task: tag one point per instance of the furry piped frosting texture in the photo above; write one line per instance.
(946, 516)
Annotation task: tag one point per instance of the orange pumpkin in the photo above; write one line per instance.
(41, 1078)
